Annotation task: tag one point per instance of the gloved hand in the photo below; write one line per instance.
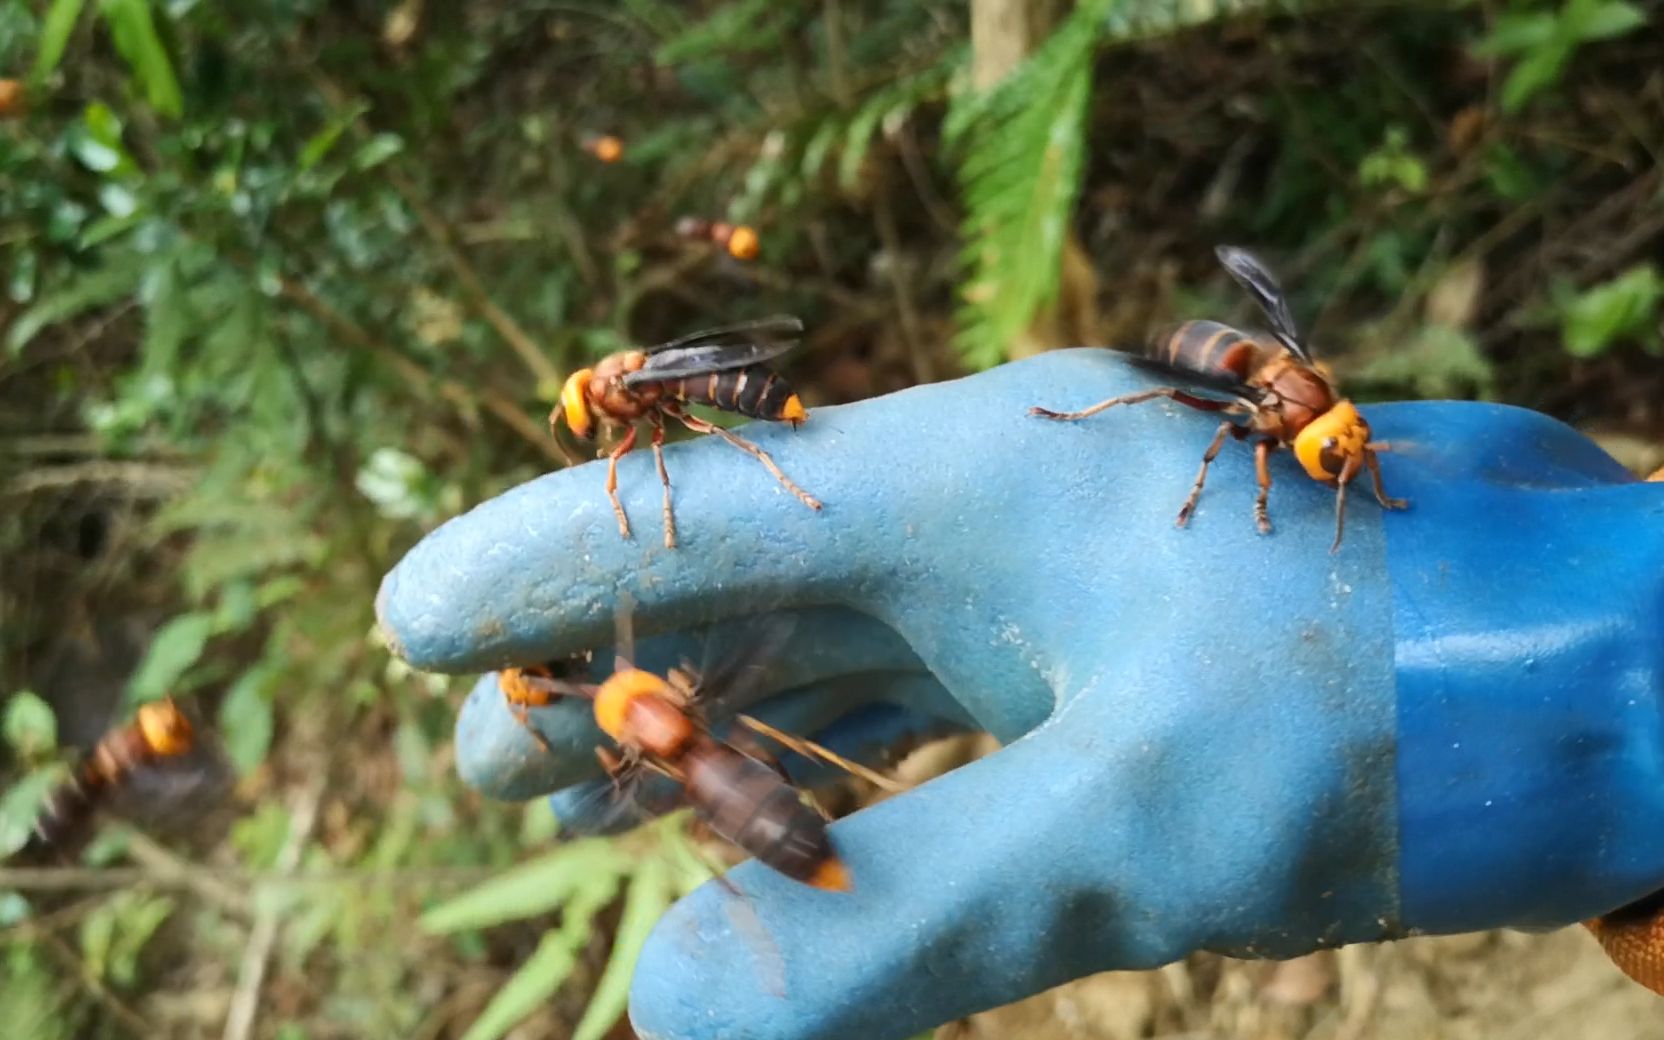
(1215, 739)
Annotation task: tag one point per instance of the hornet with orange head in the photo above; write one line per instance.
(739, 241)
(1270, 388)
(159, 732)
(725, 368)
(658, 724)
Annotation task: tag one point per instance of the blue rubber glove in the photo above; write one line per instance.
(1216, 739)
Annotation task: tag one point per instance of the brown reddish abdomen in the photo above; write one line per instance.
(1212, 348)
(749, 804)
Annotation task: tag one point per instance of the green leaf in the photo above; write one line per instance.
(321, 143)
(1515, 33)
(176, 646)
(648, 897)
(1610, 19)
(22, 804)
(1539, 69)
(1626, 306)
(31, 730)
(533, 888)
(135, 36)
(88, 291)
(548, 967)
(376, 151)
(245, 718)
(54, 37)
(1020, 177)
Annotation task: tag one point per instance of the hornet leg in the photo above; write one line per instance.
(617, 453)
(1347, 472)
(698, 425)
(1375, 476)
(1208, 456)
(664, 478)
(1171, 393)
(1262, 473)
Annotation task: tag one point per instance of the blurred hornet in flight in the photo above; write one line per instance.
(159, 733)
(723, 367)
(739, 241)
(604, 147)
(658, 724)
(1269, 387)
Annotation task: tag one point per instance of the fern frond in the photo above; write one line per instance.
(1024, 144)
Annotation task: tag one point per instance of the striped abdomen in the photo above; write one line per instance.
(1209, 347)
(754, 392)
(751, 805)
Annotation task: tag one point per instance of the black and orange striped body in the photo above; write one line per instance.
(755, 392)
(749, 804)
(160, 731)
(1213, 348)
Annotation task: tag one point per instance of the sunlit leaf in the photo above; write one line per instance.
(245, 718)
(135, 36)
(21, 806)
(1627, 306)
(176, 646)
(376, 151)
(533, 888)
(54, 37)
(548, 967)
(88, 291)
(31, 729)
(648, 897)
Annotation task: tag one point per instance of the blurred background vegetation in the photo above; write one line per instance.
(281, 290)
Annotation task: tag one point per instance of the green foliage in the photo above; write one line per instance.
(54, 37)
(177, 645)
(1623, 309)
(649, 895)
(1393, 164)
(579, 880)
(115, 934)
(1023, 145)
(1542, 42)
(30, 728)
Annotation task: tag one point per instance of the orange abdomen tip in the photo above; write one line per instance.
(831, 876)
(1657, 474)
(792, 411)
(1636, 946)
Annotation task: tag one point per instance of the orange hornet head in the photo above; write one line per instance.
(166, 729)
(1331, 439)
(574, 406)
(743, 242)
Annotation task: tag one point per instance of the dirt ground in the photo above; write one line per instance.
(1486, 986)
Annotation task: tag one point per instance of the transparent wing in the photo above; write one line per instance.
(775, 326)
(734, 672)
(1230, 392)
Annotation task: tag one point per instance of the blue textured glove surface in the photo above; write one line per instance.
(1215, 739)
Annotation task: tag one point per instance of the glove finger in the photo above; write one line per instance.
(535, 573)
(873, 734)
(947, 915)
(503, 758)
